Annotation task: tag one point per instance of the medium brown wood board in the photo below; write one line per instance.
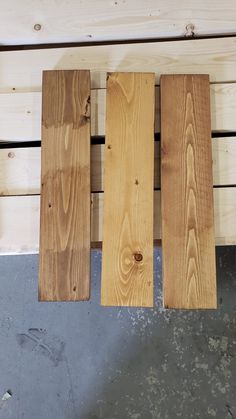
(65, 194)
(188, 245)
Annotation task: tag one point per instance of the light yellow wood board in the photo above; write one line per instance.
(25, 110)
(127, 262)
(22, 70)
(20, 234)
(73, 21)
(20, 167)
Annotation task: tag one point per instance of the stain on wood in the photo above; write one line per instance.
(127, 264)
(65, 187)
(189, 272)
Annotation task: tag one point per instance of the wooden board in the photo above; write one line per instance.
(65, 195)
(21, 70)
(189, 272)
(25, 110)
(71, 21)
(127, 262)
(20, 235)
(20, 167)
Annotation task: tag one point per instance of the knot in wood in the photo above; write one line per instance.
(138, 257)
(190, 30)
(37, 27)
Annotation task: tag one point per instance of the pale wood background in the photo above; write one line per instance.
(46, 21)
(71, 21)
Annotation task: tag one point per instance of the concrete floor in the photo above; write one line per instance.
(83, 361)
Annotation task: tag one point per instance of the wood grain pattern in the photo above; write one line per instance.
(127, 263)
(65, 195)
(22, 70)
(20, 167)
(20, 235)
(73, 21)
(187, 196)
(25, 110)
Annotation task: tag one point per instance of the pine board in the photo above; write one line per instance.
(73, 21)
(22, 70)
(127, 262)
(65, 195)
(189, 272)
(25, 110)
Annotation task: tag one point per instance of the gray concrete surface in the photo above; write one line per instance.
(83, 361)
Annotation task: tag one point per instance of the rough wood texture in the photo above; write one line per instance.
(21, 70)
(71, 21)
(127, 263)
(189, 272)
(65, 195)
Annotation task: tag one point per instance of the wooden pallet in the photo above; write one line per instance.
(20, 120)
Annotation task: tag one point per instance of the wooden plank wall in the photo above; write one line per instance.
(25, 110)
(71, 21)
(20, 167)
(21, 71)
(20, 116)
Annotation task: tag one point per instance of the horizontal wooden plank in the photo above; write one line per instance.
(20, 171)
(25, 110)
(20, 167)
(19, 221)
(224, 158)
(73, 21)
(22, 70)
